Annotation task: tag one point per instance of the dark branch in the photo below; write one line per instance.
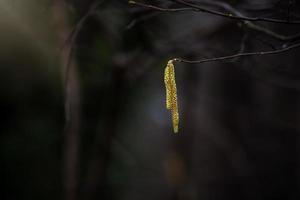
(81, 22)
(232, 16)
(197, 8)
(262, 53)
(157, 8)
(74, 33)
(251, 25)
(233, 13)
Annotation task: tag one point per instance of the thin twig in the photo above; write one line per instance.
(140, 19)
(197, 8)
(248, 22)
(277, 51)
(271, 33)
(157, 8)
(252, 25)
(231, 16)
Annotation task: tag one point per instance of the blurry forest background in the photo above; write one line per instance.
(84, 118)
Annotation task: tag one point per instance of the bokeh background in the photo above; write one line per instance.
(83, 115)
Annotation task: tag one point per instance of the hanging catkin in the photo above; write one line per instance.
(171, 94)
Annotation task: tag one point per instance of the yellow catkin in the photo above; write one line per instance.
(168, 88)
(171, 94)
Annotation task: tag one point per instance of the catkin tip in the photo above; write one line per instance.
(170, 62)
(131, 2)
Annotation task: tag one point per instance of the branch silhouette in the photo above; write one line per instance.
(198, 8)
(261, 53)
(233, 16)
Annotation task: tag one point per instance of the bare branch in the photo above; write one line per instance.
(80, 23)
(140, 19)
(262, 53)
(233, 14)
(197, 8)
(251, 25)
(157, 8)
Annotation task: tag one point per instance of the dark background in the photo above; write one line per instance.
(98, 129)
